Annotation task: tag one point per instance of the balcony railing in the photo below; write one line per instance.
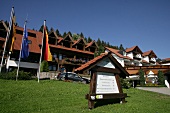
(71, 61)
(152, 61)
(136, 57)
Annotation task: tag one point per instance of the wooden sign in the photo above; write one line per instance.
(105, 82)
(105, 85)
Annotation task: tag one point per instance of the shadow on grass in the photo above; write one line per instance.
(104, 102)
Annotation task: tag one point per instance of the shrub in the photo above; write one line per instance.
(125, 83)
(44, 66)
(142, 78)
(161, 79)
(12, 75)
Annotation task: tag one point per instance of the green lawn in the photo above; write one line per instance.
(50, 96)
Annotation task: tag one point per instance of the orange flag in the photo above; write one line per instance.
(46, 49)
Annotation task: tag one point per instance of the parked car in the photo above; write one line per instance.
(72, 76)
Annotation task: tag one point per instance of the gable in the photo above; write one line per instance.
(106, 63)
(101, 62)
(68, 38)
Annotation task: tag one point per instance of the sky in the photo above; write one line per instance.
(145, 23)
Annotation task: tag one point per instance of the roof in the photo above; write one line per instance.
(35, 41)
(91, 43)
(133, 48)
(4, 25)
(70, 49)
(78, 41)
(68, 35)
(133, 72)
(166, 60)
(92, 63)
(115, 51)
(150, 52)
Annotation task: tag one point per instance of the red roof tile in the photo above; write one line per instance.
(115, 51)
(167, 59)
(133, 48)
(91, 43)
(35, 41)
(133, 72)
(2, 39)
(150, 52)
(71, 49)
(75, 42)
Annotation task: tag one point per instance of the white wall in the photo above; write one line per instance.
(166, 64)
(130, 55)
(13, 63)
(146, 58)
(120, 60)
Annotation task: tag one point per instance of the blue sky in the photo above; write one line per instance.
(145, 23)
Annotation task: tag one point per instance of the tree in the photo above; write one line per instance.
(100, 50)
(58, 33)
(42, 27)
(99, 42)
(85, 39)
(6, 22)
(75, 36)
(161, 79)
(89, 40)
(44, 66)
(70, 33)
(64, 34)
(81, 35)
(142, 78)
(121, 47)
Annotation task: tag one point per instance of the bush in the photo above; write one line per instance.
(12, 75)
(142, 78)
(125, 83)
(161, 79)
(44, 66)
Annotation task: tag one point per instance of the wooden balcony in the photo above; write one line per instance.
(137, 58)
(71, 61)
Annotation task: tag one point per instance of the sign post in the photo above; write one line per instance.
(105, 81)
(104, 85)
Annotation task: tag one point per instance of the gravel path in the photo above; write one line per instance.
(163, 90)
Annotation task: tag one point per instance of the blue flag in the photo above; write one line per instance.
(25, 46)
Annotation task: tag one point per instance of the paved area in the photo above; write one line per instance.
(163, 90)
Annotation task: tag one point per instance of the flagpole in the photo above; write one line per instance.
(7, 36)
(41, 47)
(20, 50)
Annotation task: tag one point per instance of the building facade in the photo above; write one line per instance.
(65, 51)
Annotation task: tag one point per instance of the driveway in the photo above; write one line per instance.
(163, 90)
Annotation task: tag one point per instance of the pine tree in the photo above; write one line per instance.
(161, 79)
(85, 39)
(81, 35)
(58, 33)
(64, 34)
(100, 50)
(121, 47)
(142, 78)
(42, 27)
(70, 33)
(89, 40)
(98, 41)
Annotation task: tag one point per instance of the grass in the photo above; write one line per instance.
(64, 97)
